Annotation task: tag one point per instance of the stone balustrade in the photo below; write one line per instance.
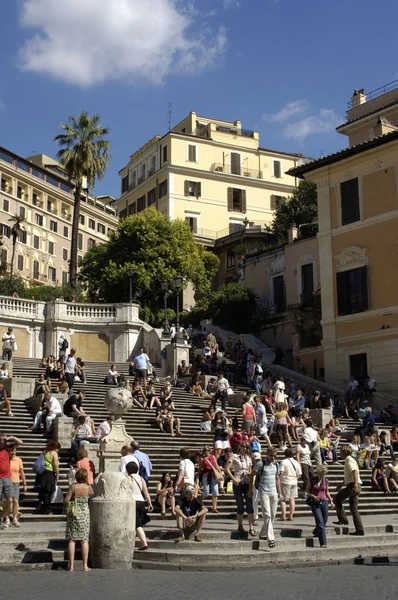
(103, 332)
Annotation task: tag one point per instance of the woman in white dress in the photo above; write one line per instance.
(279, 388)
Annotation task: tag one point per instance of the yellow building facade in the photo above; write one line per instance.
(213, 174)
(358, 243)
(37, 189)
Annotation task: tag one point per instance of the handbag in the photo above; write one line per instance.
(230, 489)
(14, 346)
(71, 507)
(57, 497)
(230, 391)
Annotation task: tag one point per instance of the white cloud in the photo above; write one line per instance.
(287, 112)
(324, 122)
(230, 4)
(86, 42)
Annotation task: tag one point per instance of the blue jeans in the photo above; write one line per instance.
(7, 355)
(320, 510)
(213, 485)
(258, 379)
(324, 454)
(383, 448)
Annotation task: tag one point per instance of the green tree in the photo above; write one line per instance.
(232, 306)
(85, 155)
(300, 209)
(155, 248)
(16, 230)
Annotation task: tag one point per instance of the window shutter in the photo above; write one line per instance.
(194, 226)
(341, 284)
(230, 200)
(277, 169)
(365, 288)
(198, 189)
(273, 202)
(235, 163)
(243, 201)
(191, 153)
(186, 187)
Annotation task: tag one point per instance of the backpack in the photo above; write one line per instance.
(39, 466)
(65, 344)
(142, 472)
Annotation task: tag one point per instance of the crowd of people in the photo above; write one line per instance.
(241, 461)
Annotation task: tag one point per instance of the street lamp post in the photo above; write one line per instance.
(177, 285)
(130, 274)
(166, 293)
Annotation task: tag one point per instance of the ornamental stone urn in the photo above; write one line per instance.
(118, 401)
(112, 522)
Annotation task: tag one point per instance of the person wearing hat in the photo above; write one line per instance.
(269, 491)
(9, 344)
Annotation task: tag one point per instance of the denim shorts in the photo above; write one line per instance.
(6, 488)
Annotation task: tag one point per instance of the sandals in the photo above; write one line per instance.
(252, 532)
(271, 544)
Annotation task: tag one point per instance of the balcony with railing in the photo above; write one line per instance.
(241, 171)
(235, 130)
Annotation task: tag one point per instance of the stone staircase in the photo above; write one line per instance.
(42, 536)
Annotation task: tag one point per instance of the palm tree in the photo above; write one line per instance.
(85, 155)
(16, 230)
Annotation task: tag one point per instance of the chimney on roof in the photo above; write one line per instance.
(292, 234)
(358, 97)
(383, 126)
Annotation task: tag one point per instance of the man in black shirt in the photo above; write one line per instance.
(191, 516)
(73, 406)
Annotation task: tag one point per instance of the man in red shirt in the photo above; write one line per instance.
(6, 487)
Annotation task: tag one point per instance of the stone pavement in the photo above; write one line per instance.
(342, 582)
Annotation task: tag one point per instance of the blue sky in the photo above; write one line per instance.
(284, 68)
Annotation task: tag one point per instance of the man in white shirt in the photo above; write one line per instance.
(311, 437)
(350, 488)
(8, 340)
(186, 472)
(53, 410)
(222, 393)
(127, 457)
(105, 427)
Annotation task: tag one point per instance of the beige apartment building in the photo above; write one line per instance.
(37, 189)
(211, 173)
(358, 242)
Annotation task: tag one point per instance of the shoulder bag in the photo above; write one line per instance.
(71, 506)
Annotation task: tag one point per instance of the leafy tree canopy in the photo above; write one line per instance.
(300, 209)
(155, 248)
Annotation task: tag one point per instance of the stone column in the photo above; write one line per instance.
(176, 352)
(112, 523)
(117, 401)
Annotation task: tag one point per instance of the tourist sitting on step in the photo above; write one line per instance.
(51, 367)
(197, 390)
(165, 494)
(151, 397)
(43, 385)
(183, 369)
(371, 449)
(207, 418)
(152, 375)
(166, 394)
(83, 432)
(49, 411)
(211, 388)
(111, 378)
(394, 437)
(385, 445)
(389, 415)
(4, 371)
(379, 479)
(81, 370)
(166, 421)
(136, 392)
(392, 474)
(4, 401)
(105, 427)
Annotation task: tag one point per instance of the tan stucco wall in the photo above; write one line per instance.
(379, 192)
(333, 207)
(307, 358)
(90, 346)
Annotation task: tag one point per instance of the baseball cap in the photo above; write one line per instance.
(256, 456)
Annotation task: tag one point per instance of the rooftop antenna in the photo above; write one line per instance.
(321, 153)
(170, 111)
